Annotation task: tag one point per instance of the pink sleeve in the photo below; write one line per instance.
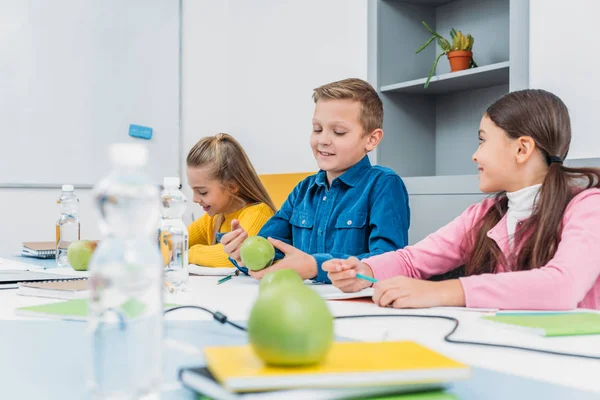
(440, 252)
(562, 283)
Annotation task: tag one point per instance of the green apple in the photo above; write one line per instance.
(290, 325)
(257, 253)
(79, 254)
(279, 277)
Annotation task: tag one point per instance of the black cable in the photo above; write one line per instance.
(223, 319)
(448, 338)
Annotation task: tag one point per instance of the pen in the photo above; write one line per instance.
(366, 278)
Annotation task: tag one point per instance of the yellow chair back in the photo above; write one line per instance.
(279, 186)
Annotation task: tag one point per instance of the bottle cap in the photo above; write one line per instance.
(67, 188)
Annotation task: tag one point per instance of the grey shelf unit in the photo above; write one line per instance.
(433, 131)
(431, 134)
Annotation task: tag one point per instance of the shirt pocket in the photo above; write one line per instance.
(302, 227)
(352, 232)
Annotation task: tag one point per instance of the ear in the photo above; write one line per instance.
(232, 187)
(373, 139)
(525, 148)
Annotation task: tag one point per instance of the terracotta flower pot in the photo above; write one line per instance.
(460, 60)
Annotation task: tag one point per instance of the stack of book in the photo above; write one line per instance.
(351, 370)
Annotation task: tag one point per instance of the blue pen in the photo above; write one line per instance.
(366, 278)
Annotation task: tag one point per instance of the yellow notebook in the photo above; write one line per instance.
(348, 364)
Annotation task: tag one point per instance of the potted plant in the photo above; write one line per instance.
(458, 50)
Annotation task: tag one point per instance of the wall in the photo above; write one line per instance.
(248, 68)
(562, 61)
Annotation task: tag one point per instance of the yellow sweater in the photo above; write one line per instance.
(202, 252)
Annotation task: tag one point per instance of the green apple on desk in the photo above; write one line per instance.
(289, 324)
(79, 254)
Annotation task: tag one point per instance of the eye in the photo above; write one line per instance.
(480, 139)
(202, 193)
(339, 133)
(316, 130)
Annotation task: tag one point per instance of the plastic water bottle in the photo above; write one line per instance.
(67, 226)
(173, 235)
(126, 281)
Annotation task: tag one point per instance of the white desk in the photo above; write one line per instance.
(234, 298)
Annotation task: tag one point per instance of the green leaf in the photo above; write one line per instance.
(434, 33)
(444, 45)
(452, 33)
(425, 45)
(432, 70)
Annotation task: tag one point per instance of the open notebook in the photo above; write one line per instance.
(210, 271)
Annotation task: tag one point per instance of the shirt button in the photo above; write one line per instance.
(349, 222)
(303, 221)
(324, 198)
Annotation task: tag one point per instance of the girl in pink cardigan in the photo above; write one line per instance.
(534, 245)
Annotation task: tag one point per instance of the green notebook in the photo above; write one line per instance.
(77, 309)
(551, 324)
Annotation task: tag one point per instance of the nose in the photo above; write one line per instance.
(324, 139)
(474, 156)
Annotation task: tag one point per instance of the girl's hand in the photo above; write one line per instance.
(233, 240)
(342, 274)
(403, 292)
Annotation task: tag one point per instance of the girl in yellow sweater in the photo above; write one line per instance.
(226, 186)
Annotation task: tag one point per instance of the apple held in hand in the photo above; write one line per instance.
(290, 325)
(257, 253)
(79, 254)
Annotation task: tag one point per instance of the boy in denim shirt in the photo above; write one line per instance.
(349, 208)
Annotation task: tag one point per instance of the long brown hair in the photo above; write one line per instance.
(228, 163)
(542, 116)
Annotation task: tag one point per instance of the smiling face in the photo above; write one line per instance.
(495, 158)
(338, 139)
(214, 197)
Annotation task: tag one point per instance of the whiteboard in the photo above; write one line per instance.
(74, 74)
(563, 60)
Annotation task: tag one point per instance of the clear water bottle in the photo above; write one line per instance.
(67, 226)
(173, 235)
(126, 281)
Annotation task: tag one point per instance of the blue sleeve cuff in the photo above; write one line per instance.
(322, 275)
(244, 270)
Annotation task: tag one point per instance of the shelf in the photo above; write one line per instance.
(474, 78)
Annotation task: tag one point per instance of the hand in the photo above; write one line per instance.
(304, 264)
(233, 240)
(403, 292)
(342, 274)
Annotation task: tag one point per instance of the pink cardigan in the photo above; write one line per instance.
(569, 280)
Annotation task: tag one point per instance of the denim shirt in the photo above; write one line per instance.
(365, 212)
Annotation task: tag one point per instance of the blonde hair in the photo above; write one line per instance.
(371, 107)
(228, 162)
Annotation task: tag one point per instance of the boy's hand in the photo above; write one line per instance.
(304, 264)
(342, 274)
(233, 240)
(403, 292)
